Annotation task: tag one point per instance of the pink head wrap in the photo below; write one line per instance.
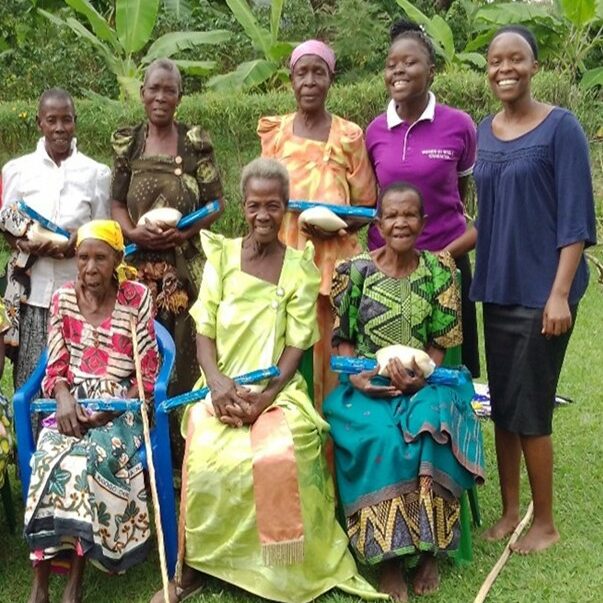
(316, 47)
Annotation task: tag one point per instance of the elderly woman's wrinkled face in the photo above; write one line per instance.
(264, 208)
(160, 95)
(401, 220)
(311, 80)
(56, 120)
(96, 264)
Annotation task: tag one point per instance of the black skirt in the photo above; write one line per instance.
(523, 368)
(470, 347)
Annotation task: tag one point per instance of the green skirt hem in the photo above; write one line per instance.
(354, 585)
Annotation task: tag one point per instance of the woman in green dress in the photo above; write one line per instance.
(405, 450)
(257, 506)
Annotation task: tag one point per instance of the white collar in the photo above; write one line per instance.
(393, 119)
(41, 149)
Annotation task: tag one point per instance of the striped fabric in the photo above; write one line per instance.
(79, 351)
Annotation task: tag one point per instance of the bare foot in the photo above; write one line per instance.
(72, 596)
(392, 582)
(537, 538)
(504, 527)
(38, 595)
(426, 579)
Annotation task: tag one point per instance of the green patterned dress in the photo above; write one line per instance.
(402, 463)
(185, 182)
(252, 321)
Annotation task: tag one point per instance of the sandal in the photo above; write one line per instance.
(177, 593)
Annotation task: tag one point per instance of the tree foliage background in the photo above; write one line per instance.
(36, 53)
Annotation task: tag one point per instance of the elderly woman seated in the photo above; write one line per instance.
(87, 494)
(257, 499)
(405, 450)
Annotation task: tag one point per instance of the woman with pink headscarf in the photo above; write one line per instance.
(327, 161)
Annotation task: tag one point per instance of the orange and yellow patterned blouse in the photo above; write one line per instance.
(337, 171)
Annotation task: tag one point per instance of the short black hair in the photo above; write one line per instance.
(55, 94)
(167, 65)
(401, 187)
(521, 30)
(407, 29)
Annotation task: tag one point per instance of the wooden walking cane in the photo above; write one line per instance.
(150, 465)
(491, 577)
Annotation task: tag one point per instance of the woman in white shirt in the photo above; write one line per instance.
(69, 189)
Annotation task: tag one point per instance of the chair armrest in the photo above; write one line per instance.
(95, 404)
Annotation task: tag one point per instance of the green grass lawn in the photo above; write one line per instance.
(571, 572)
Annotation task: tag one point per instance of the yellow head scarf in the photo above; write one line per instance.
(108, 231)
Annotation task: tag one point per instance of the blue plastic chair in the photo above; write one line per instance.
(160, 441)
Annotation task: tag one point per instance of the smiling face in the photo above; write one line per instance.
(264, 208)
(408, 70)
(96, 264)
(161, 95)
(56, 121)
(311, 80)
(401, 220)
(511, 66)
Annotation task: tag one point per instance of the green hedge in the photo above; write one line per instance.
(232, 120)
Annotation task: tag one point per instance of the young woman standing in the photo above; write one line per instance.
(536, 216)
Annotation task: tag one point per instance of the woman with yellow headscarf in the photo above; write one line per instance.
(87, 495)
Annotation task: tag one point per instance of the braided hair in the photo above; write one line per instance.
(407, 29)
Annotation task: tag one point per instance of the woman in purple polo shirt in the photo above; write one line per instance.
(431, 146)
(536, 215)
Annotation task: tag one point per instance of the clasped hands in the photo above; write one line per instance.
(74, 420)
(235, 405)
(157, 237)
(403, 381)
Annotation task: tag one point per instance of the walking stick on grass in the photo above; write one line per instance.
(491, 577)
(150, 465)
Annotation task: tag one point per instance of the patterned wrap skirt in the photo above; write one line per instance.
(88, 495)
(402, 465)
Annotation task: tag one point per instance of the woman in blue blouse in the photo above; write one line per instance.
(536, 216)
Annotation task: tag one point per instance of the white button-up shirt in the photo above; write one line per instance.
(70, 195)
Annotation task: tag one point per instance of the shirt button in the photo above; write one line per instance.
(178, 159)
(280, 292)
(274, 305)
(178, 172)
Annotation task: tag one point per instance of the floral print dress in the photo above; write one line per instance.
(88, 495)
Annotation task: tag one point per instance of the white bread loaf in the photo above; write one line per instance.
(38, 234)
(323, 218)
(405, 354)
(161, 216)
